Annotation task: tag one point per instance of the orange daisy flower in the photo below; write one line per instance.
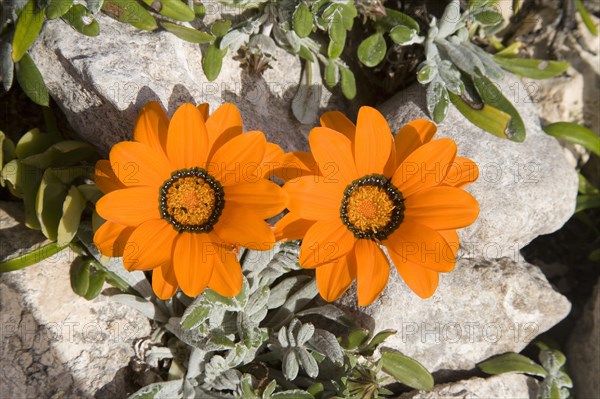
(372, 191)
(182, 196)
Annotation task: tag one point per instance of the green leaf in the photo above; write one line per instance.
(31, 81)
(292, 394)
(82, 20)
(372, 50)
(7, 151)
(348, 83)
(586, 18)
(488, 118)
(97, 278)
(402, 34)
(80, 276)
(30, 258)
(487, 16)
(490, 94)
(512, 362)
(332, 74)
(302, 20)
(175, 9)
(71, 215)
(27, 30)
(7, 66)
(63, 153)
(531, 68)
(394, 18)
(587, 202)
(130, 12)
(380, 337)
(24, 180)
(348, 12)
(212, 62)
(58, 8)
(220, 28)
(576, 134)
(406, 370)
(356, 338)
(188, 34)
(34, 142)
(337, 36)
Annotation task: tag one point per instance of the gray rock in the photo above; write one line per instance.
(524, 189)
(53, 341)
(583, 350)
(480, 309)
(504, 386)
(101, 83)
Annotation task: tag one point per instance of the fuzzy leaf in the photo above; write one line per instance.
(6, 63)
(160, 390)
(281, 291)
(450, 20)
(309, 364)
(294, 303)
(327, 344)
(305, 104)
(330, 312)
(304, 334)
(290, 365)
(146, 308)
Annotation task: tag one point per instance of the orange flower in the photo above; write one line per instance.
(182, 196)
(369, 191)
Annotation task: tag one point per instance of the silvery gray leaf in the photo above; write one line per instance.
(280, 292)
(450, 20)
(228, 381)
(160, 390)
(234, 40)
(292, 331)
(491, 69)
(330, 312)
(290, 365)
(327, 344)
(304, 334)
(282, 337)
(305, 105)
(264, 43)
(462, 57)
(294, 303)
(451, 77)
(94, 6)
(257, 304)
(146, 308)
(7, 66)
(309, 364)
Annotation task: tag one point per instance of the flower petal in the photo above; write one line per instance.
(226, 278)
(451, 237)
(373, 271)
(193, 261)
(373, 143)
(291, 227)
(239, 159)
(325, 241)
(442, 208)
(271, 160)
(333, 153)
(152, 126)
(164, 282)
(204, 109)
(130, 206)
(187, 141)
(420, 280)
(136, 164)
(426, 167)
(339, 122)
(296, 164)
(105, 177)
(411, 136)
(239, 226)
(150, 245)
(223, 125)
(333, 279)
(421, 245)
(264, 198)
(314, 198)
(461, 173)
(111, 238)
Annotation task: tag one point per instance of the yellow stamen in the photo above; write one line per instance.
(190, 201)
(369, 208)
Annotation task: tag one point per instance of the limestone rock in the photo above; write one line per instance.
(583, 350)
(53, 341)
(101, 82)
(481, 309)
(504, 386)
(524, 189)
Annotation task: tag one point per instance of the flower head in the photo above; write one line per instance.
(369, 191)
(183, 195)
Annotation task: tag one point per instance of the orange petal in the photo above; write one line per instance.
(226, 278)
(152, 126)
(420, 280)
(333, 279)
(130, 206)
(461, 173)
(239, 226)
(314, 198)
(373, 271)
(105, 177)
(412, 136)
(291, 227)
(264, 198)
(373, 143)
(451, 237)
(426, 167)
(164, 282)
(223, 125)
(187, 141)
(271, 160)
(238, 160)
(193, 261)
(333, 153)
(150, 245)
(204, 108)
(296, 164)
(111, 238)
(136, 164)
(441, 208)
(339, 122)
(325, 241)
(421, 245)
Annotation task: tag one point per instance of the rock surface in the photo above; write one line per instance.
(480, 309)
(583, 350)
(524, 189)
(54, 343)
(505, 386)
(101, 82)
